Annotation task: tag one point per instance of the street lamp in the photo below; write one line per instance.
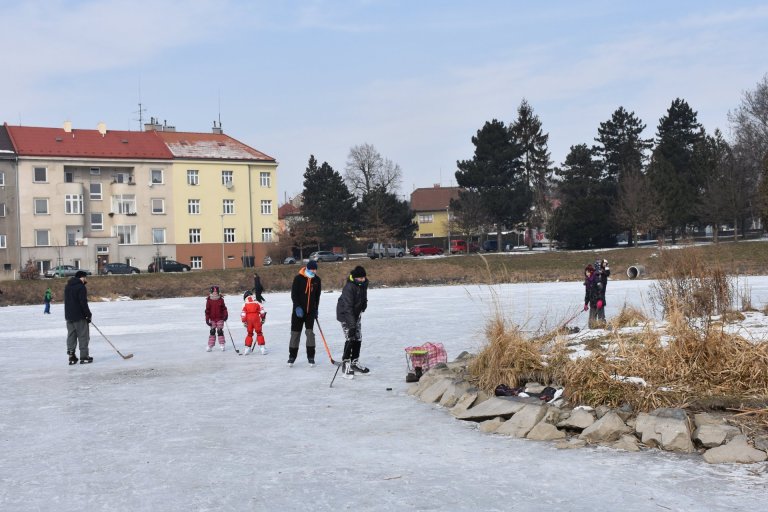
(223, 260)
(448, 225)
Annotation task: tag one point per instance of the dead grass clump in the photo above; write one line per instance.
(698, 288)
(508, 358)
(688, 368)
(733, 316)
(629, 316)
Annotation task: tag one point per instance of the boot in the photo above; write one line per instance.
(358, 367)
(346, 369)
(311, 356)
(72, 357)
(86, 360)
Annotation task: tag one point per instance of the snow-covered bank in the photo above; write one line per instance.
(176, 428)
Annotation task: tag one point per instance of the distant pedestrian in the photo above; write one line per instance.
(78, 316)
(258, 289)
(604, 273)
(47, 300)
(215, 315)
(349, 308)
(253, 316)
(593, 296)
(305, 296)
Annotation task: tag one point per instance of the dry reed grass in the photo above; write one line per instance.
(629, 316)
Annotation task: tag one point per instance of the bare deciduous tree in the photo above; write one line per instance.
(636, 206)
(367, 170)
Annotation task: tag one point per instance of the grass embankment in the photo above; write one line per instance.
(518, 267)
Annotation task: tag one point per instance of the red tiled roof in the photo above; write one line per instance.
(214, 146)
(286, 210)
(433, 199)
(39, 141)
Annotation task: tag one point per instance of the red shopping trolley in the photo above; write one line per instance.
(421, 358)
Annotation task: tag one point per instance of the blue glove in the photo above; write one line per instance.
(299, 312)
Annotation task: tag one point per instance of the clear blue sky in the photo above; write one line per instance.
(414, 78)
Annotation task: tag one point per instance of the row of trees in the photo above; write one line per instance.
(682, 178)
(362, 204)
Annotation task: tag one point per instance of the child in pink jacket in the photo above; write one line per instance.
(215, 316)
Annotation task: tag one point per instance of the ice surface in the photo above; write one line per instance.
(178, 429)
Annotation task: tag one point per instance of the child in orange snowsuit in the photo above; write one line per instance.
(253, 316)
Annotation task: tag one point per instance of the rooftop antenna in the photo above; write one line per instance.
(219, 108)
(141, 109)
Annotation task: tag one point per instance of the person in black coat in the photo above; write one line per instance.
(593, 296)
(305, 295)
(78, 316)
(349, 308)
(258, 289)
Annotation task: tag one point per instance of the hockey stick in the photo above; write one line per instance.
(338, 366)
(114, 347)
(327, 350)
(231, 339)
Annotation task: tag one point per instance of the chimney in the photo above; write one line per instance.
(102, 127)
(217, 129)
(67, 126)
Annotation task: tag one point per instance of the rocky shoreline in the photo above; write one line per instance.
(668, 429)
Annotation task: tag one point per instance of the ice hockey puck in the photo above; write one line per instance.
(389, 389)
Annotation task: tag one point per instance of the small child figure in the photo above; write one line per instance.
(253, 316)
(215, 316)
(47, 300)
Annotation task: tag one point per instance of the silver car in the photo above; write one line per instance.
(325, 256)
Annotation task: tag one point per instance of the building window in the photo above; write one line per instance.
(265, 179)
(42, 238)
(266, 234)
(194, 236)
(426, 218)
(266, 207)
(2, 209)
(157, 175)
(97, 221)
(193, 177)
(123, 177)
(69, 177)
(158, 205)
(41, 175)
(3, 242)
(426, 235)
(196, 262)
(228, 207)
(95, 191)
(95, 171)
(158, 235)
(229, 235)
(124, 203)
(73, 204)
(2, 179)
(102, 249)
(193, 206)
(226, 178)
(126, 235)
(41, 206)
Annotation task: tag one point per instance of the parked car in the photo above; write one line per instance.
(64, 271)
(170, 266)
(491, 245)
(460, 246)
(290, 260)
(325, 256)
(425, 250)
(379, 250)
(119, 268)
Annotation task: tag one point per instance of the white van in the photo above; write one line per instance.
(379, 250)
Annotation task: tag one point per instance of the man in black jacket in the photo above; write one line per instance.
(78, 316)
(305, 295)
(352, 302)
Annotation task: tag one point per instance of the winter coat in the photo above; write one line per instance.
(305, 292)
(76, 301)
(215, 309)
(48, 296)
(252, 310)
(352, 302)
(605, 273)
(593, 290)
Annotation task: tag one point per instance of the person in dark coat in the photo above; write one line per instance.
(258, 289)
(349, 308)
(593, 296)
(78, 316)
(305, 295)
(604, 271)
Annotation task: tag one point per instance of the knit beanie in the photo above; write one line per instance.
(311, 265)
(358, 271)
